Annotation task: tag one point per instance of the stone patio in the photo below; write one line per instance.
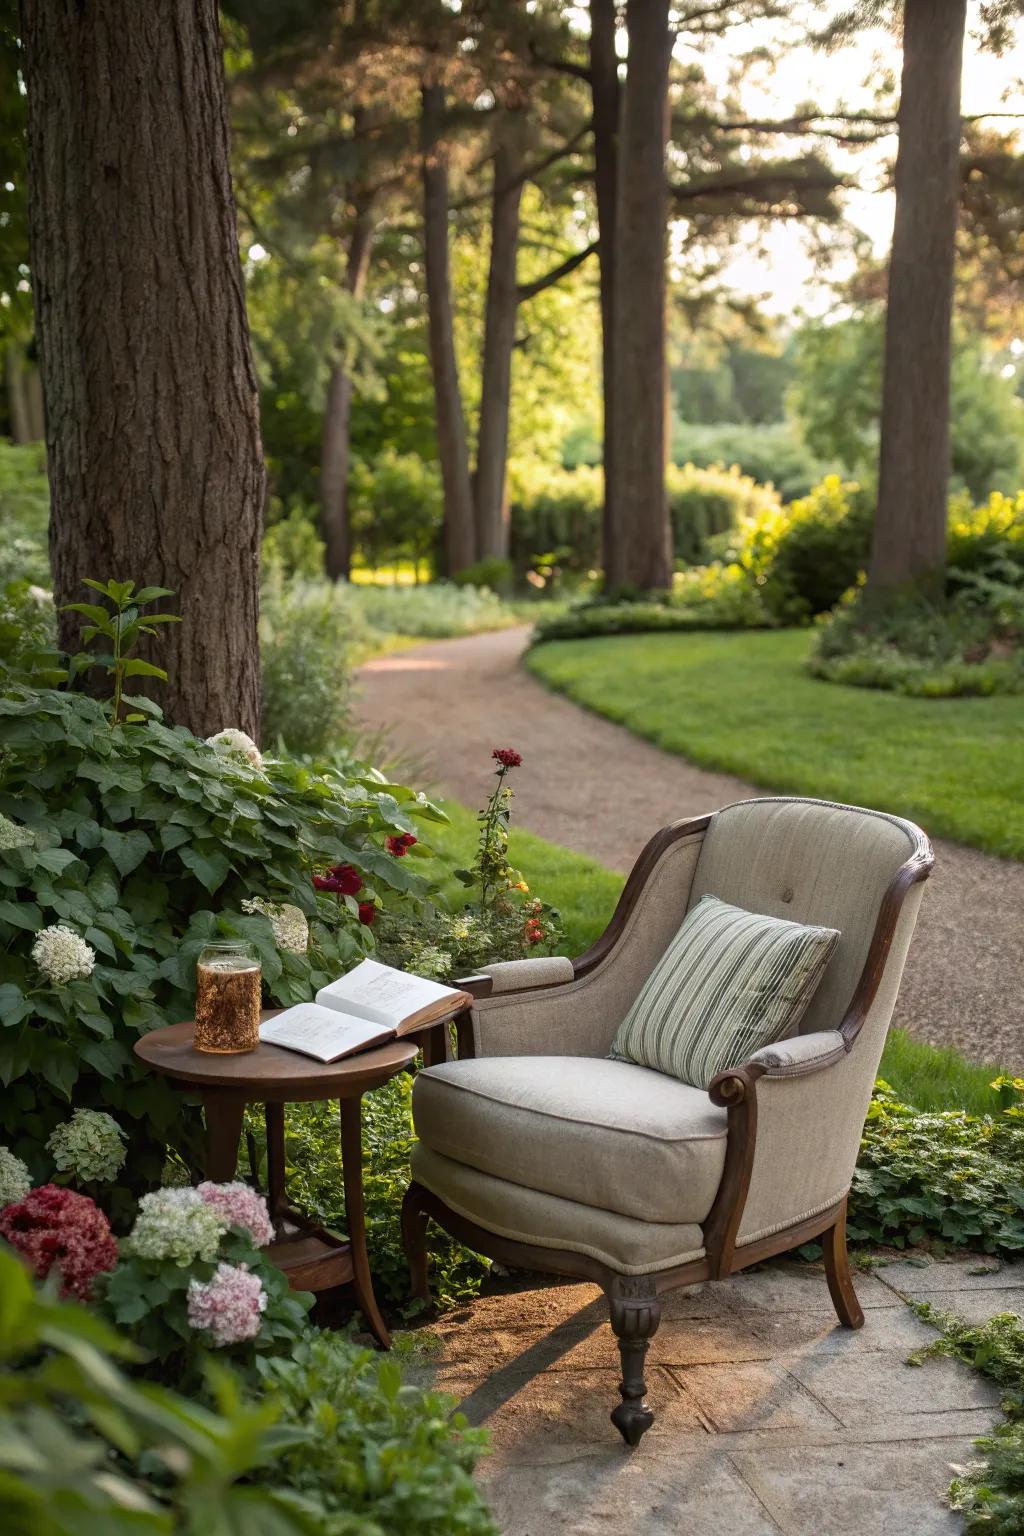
(770, 1417)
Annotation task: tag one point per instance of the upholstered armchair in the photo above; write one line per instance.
(538, 1150)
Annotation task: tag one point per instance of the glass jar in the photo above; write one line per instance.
(228, 994)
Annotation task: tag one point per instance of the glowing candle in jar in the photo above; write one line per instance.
(228, 989)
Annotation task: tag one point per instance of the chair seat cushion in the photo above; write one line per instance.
(607, 1134)
(729, 983)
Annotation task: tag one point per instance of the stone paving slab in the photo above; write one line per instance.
(770, 1417)
(974, 1306)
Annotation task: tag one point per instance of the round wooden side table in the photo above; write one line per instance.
(312, 1258)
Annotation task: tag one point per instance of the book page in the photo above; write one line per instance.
(383, 994)
(322, 1033)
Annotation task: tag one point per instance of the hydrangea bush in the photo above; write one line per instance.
(90, 1147)
(124, 850)
(55, 1228)
(15, 1179)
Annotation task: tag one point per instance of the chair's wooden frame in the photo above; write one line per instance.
(634, 1299)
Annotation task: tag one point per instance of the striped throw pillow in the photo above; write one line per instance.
(729, 983)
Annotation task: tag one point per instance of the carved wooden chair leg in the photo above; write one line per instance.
(837, 1273)
(635, 1315)
(414, 1241)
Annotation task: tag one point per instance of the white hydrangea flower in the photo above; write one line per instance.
(61, 955)
(176, 1224)
(15, 1179)
(291, 931)
(13, 836)
(89, 1145)
(233, 743)
(40, 595)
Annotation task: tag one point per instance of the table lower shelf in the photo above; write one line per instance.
(312, 1263)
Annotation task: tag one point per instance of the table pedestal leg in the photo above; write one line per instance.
(352, 1175)
(224, 1114)
(276, 1202)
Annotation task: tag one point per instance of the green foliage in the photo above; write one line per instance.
(292, 546)
(704, 597)
(84, 1449)
(311, 636)
(28, 636)
(803, 557)
(145, 841)
(951, 1177)
(838, 392)
(24, 512)
(710, 501)
(771, 455)
(494, 572)
(936, 1077)
(121, 626)
(395, 506)
(438, 610)
(376, 1458)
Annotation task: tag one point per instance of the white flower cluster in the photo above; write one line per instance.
(15, 1179)
(13, 836)
(291, 931)
(90, 1145)
(61, 955)
(176, 1224)
(233, 743)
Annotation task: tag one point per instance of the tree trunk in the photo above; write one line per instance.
(334, 455)
(156, 469)
(459, 541)
(639, 551)
(605, 94)
(909, 544)
(17, 399)
(496, 371)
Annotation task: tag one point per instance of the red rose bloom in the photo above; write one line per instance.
(350, 881)
(508, 757)
(399, 843)
(367, 912)
(326, 883)
(54, 1226)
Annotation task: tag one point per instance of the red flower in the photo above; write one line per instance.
(399, 844)
(343, 879)
(54, 1226)
(367, 912)
(533, 931)
(508, 757)
(350, 881)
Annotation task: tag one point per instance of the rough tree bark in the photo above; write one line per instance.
(156, 469)
(909, 546)
(459, 541)
(605, 94)
(638, 551)
(335, 442)
(496, 371)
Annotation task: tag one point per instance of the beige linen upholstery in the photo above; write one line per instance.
(605, 1133)
(544, 971)
(811, 862)
(628, 1246)
(801, 1054)
(809, 1127)
(581, 1017)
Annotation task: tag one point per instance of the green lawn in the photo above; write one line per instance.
(585, 894)
(743, 704)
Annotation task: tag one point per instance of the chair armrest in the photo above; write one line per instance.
(517, 975)
(801, 1055)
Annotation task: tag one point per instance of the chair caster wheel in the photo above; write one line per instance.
(632, 1420)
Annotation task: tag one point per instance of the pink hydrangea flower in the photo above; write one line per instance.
(241, 1206)
(228, 1307)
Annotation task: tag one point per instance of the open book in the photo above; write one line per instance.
(371, 1004)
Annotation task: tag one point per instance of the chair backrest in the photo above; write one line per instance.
(810, 861)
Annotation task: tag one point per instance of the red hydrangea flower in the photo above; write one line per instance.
(399, 843)
(508, 757)
(55, 1226)
(367, 912)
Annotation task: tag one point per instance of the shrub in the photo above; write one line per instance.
(950, 1177)
(705, 597)
(374, 1455)
(771, 454)
(24, 511)
(396, 507)
(987, 540)
(435, 611)
(311, 635)
(292, 545)
(805, 556)
(145, 842)
(705, 502)
(494, 572)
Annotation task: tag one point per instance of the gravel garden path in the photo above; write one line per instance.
(594, 787)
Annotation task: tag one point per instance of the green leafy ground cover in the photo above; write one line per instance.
(744, 704)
